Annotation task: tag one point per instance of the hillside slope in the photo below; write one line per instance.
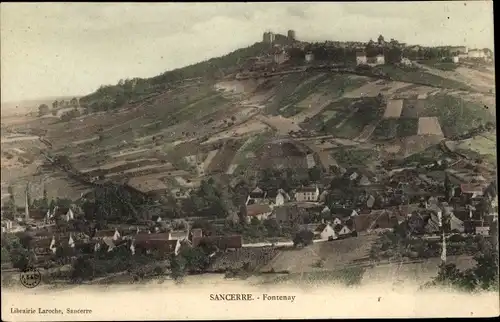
(189, 123)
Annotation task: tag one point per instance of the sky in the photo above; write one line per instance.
(65, 49)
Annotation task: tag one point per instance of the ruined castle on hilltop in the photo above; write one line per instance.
(269, 37)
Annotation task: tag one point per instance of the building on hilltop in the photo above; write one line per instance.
(377, 60)
(459, 49)
(280, 57)
(361, 58)
(309, 57)
(476, 53)
(307, 194)
(291, 35)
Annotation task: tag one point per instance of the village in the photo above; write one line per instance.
(201, 207)
(344, 204)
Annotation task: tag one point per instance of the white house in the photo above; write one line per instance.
(256, 196)
(380, 60)
(309, 57)
(259, 211)
(476, 53)
(405, 61)
(280, 199)
(361, 58)
(455, 59)
(483, 230)
(307, 194)
(281, 57)
(326, 232)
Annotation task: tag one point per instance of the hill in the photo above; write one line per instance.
(200, 120)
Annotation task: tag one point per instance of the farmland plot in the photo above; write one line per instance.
(413, 108)
(429, 125)
(221, 162)
(393, 109)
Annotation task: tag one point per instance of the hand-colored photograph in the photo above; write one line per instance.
(248, 160)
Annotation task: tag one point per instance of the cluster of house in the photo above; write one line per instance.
(36, 218)
(463, 52)
(46, 242)
(268, 204)
(418, 204)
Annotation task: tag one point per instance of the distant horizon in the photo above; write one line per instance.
(80, 57)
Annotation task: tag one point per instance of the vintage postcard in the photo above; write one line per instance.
(248, 161)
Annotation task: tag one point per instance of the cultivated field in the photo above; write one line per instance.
(374, 88)
(429, 126)
(334, 255)
(393, 109)
(249, 127)
(485, 144)
(282, 125)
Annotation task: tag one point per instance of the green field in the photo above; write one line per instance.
(201, 108)
(480, 147)
(429, 155)
(350, 156)
(331, 116)
(455, 115)
(338, 118)
(301, 93)
(418, 76)
(438, 64)
(368, 112)
(395, 128)
(333, 85)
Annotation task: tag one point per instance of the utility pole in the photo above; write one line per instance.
(443, 239)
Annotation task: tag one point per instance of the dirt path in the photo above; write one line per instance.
(367, 132)
(347, 117)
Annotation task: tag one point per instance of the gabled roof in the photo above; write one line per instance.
(181, 234)
(343, 212)
(471, 188)
(320, 228)
(222, 242)
(305, 189)
(257, 190)
(197, 232)
(256, 209)
(165, 245)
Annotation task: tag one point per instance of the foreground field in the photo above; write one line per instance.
(333, 254)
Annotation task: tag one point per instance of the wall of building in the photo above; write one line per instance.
(361, 60)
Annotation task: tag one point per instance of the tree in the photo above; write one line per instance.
(242, 214)
(43, 109)
(448, 187)
(315, 174)
(20, 255)
(55, 104)
(381, 40)
(11, 203)
(206, 227)
(83, 269)
(196, 260)
(303, 237)
(74, 102)
(272, 227)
